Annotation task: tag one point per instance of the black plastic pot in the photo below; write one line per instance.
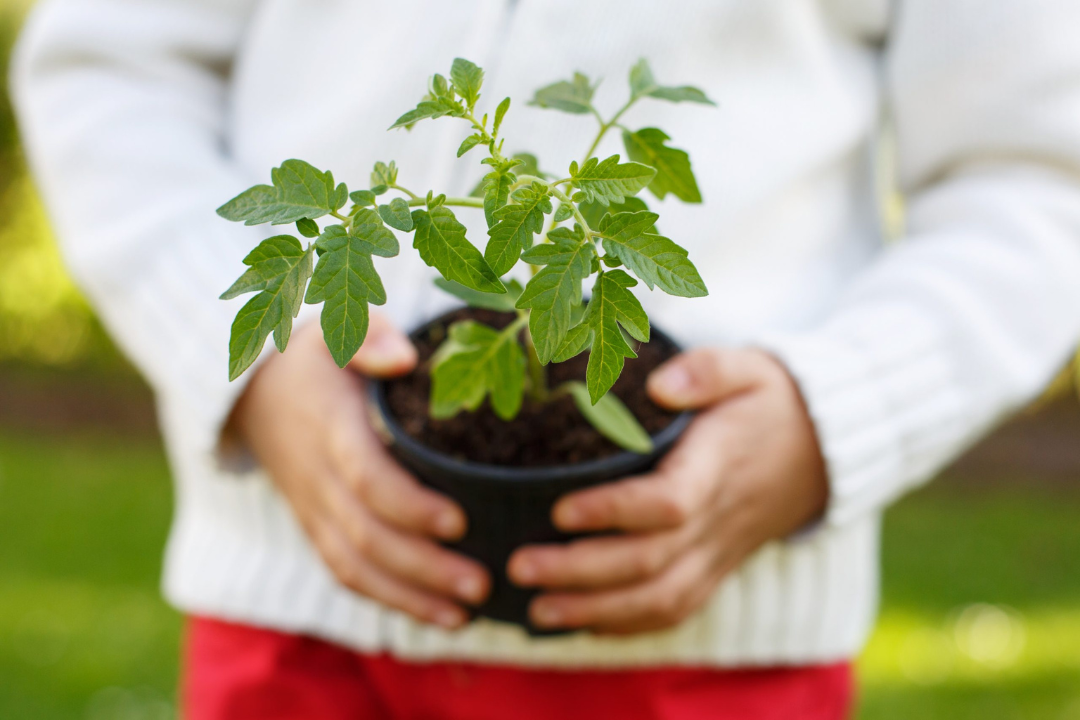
(508, 507)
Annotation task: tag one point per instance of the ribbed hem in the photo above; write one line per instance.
(885, 403)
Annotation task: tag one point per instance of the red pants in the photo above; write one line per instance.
(236, 672)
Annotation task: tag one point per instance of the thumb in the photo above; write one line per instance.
(702, 377)
(386, 351)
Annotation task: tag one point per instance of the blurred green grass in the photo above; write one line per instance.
(980, 616)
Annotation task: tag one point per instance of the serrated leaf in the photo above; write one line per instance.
(577, 341)
(643, 84)
(655, 259)
(299, 191)
(440, 240)
(487, 301)
(496, 192)
(368, 228)
(673, 173)
(563, 212)
(611, 418)
(345, 282)
(279, 271)
(572, 96)
(397, 214)
(436, 107)
(609, 181)
(308, 228)
(384, 174)
(611, 305)
(468, 144)
(595, 212)
(363, 198)
(500, 113)
(467, 78)
(476, 361)
(552, 293)
(517, 223)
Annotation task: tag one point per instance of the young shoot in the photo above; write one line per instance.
(588, 224)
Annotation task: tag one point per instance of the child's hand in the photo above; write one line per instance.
(374, 525)
(748, 470)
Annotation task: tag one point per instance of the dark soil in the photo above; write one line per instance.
(554, 433)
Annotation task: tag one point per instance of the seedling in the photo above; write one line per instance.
(569, 229)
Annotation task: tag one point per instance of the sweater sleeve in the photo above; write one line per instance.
(123, 110)
(975, 309)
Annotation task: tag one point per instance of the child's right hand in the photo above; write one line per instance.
(374, 525)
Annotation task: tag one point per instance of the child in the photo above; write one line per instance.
(833, 371)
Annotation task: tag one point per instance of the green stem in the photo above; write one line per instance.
(407, 191)
(607, 125)
(339, 216)
(574, 209)
(538, 388)
(453, 201)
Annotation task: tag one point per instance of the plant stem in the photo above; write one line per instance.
(561, 196)
(407, 191)
(538, 389)
(453, 201)
(605, 126)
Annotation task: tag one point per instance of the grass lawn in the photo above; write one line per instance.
(980, 616)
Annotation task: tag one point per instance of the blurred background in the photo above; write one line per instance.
(980, 610)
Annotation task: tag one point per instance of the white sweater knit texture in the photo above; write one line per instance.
(141, 116)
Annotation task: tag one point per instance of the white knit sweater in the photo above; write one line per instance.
(141, 116)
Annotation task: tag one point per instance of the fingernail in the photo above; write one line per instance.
(671, 381)
(448, 525)
(469, 589)
(569, 517)
(393, 346)
(524, 572)
(448, 619)
(546, 615)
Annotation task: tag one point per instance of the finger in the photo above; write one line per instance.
(364, 577)
(660, 501)
(596, 563)
(389, 490)
(386, 351)
(407, 557)
(703, 377)
(660, 602)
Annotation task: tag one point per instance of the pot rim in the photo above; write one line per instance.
(613, 464)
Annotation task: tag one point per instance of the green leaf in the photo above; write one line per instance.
(611, 418)
(487, 301)
(308, 228)
(563, 212)
(435, 107)
(377, 190)
(467, 79)
(611, 305)
(468, 144)
(345, 282)
(441, 241)
(577, 341)
(643, 84)
(368, 228)
(572, 96)
(496, 192)
(517, 223)
(279, 271)
(552, 293)
(475, 361)
(299, 192)
(397, 215)
(363, 198)
(595, 212)
(673, 173)
(609, 181)
(500, 113)
(653, 258)
(384, 174)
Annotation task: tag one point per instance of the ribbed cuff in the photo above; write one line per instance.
(886, 406)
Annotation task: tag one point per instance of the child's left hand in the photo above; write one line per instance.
(747, 471)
